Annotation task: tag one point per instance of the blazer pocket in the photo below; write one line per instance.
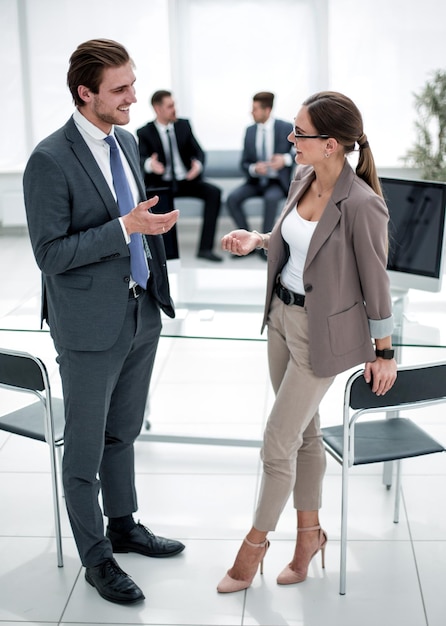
(347, 330)
(75, 281)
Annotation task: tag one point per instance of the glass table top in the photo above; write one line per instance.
(216, 305)
(228, 304)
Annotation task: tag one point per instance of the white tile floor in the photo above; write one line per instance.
(205, 495)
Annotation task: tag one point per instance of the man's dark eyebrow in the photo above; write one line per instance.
(123, 86)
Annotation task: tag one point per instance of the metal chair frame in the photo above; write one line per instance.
(416, 387)
(23, 372)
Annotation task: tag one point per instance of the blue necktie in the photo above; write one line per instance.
(138, 261)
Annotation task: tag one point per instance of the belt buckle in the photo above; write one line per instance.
(134, 290)
(286, 296)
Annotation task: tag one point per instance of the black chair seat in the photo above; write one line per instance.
(383, 440)
(23, 421)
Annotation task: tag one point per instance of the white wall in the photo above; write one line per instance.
(380, 53)
(40, 37)
(228, 50)
(214, 54)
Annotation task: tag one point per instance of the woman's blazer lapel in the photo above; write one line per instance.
(332, 213)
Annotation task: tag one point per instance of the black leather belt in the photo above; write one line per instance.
(289, 297)
(135, 291)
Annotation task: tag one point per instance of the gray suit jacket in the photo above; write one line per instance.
(78, 241)
(347, 293)
(281, 146)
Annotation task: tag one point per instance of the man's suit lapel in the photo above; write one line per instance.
(251, 142)
(277, 138)
(154, 246)
(134, 165)
(93, 171)
(183, 145)
(155, 140)
(281, 132)
(91, 168)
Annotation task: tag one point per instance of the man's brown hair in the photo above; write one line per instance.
(266, 99)
(159, 96)
(88, 61)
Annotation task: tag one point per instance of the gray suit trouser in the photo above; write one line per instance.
(105, 394)
(272, 194)
(293, 453)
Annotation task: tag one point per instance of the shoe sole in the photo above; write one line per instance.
(110, 599)
(124, 550)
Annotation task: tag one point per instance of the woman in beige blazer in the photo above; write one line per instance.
(328, 308)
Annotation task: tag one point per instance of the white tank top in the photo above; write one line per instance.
(297, 232)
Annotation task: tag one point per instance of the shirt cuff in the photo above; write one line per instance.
(381, 328)
(252, 171)
(200, 164)
(148, 165)
(124, 231)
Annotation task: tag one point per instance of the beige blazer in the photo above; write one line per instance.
(347, 294)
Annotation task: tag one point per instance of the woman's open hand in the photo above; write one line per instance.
(241, 242)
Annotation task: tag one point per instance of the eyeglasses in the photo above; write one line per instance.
(302, 136)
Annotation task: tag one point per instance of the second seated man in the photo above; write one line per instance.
(172, 157)
(267, 160)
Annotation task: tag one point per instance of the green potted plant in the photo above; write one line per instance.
(428, 154)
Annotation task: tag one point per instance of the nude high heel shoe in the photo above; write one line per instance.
(289, 576)
(229, 585)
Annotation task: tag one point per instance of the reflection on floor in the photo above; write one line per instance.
(205, 494)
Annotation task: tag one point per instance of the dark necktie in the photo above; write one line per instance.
(169, 160)
(138, 261)
(263, 179)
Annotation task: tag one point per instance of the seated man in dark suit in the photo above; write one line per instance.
(172, 157)
(267, 160)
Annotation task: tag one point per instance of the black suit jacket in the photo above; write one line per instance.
(150, 142)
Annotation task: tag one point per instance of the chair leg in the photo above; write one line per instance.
(396, 513)
(387, 474)
(59, 451)
(344, 506)
(56, 505)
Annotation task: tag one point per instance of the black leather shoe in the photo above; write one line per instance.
(208, 255)
(141, 540)
(113, 584)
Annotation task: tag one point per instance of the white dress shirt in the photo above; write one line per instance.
(267, 129)
(94, 138)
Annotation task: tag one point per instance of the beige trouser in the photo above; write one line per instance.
(293, 454)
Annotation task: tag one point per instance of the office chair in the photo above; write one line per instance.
(42, 420)
(390, 439)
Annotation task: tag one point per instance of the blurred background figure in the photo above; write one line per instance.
(267, 160)
(172, 157)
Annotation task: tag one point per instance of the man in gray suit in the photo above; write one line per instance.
(267, 160)
(104, 281)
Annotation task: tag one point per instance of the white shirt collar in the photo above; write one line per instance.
(93, 131)
(163, 127)
(268, 125)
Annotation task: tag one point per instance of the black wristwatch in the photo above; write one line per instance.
(387, 353)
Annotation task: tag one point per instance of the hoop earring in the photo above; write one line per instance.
(326, 155)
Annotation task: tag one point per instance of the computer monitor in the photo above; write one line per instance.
(417, 239)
